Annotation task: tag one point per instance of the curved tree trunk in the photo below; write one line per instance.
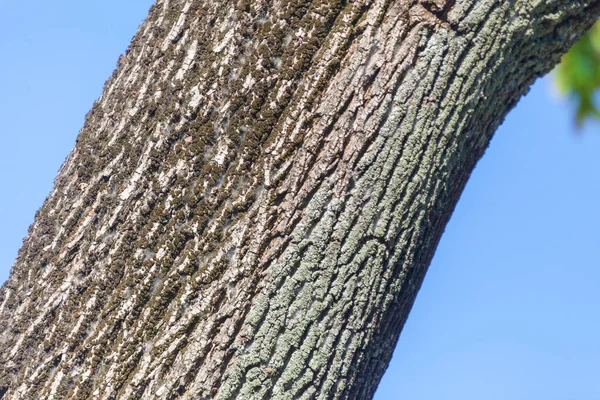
(254, 200)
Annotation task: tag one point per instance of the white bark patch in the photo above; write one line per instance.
(224, 42)
(177, 28)
(6, 298)
(196, 98)
(137, 174)
(189, 60)
(55, 384)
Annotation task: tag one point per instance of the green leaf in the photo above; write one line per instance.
(578, 75)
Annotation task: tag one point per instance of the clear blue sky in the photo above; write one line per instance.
(510, 307)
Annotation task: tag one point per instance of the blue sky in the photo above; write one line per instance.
(509, 308)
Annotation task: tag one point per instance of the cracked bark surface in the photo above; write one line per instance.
(253, 202)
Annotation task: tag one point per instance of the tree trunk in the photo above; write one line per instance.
(254, 200)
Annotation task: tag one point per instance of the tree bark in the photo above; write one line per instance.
(253, 202)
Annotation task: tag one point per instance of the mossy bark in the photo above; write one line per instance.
(252, 203)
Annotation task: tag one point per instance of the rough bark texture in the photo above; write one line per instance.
(254, 200)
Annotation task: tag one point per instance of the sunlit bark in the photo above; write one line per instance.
(254, 200)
